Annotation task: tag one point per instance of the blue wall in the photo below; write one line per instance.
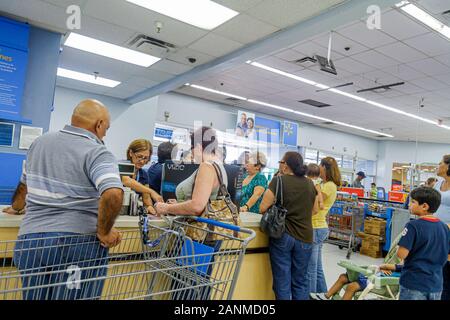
(40, 83)
(37, 103)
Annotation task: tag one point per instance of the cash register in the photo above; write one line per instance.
(130, 198)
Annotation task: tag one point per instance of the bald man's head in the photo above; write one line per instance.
(93, 116)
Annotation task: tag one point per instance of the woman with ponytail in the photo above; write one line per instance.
(290, 254)
(331, 179)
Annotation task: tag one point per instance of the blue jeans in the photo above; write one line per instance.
(315, 269)
(289, 258)
(446, 290)
(51, 264)
(408, 294)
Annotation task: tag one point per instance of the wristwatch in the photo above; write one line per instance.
(246, 205)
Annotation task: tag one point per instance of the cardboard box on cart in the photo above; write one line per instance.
(375, 226)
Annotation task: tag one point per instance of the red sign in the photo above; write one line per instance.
(397, 187)
(358, 191)
(397, 196)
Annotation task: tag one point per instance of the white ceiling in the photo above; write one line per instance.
(117, 22)
(403, 50)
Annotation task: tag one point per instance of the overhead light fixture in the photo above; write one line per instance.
(424, 17)
(349, 95)
(204, 14)
(217, 91)
(274, 106)
(102, 48)
(65, 73)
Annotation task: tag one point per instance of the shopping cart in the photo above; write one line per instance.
(151, 262)
(345, 220)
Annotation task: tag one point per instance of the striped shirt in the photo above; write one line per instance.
(65, 173)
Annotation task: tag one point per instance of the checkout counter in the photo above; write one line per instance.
(255, 277)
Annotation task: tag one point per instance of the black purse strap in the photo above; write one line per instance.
(279, 191)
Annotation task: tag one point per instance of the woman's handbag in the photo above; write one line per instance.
(222, 209)
(273, 221)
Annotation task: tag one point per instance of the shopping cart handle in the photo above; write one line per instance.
(219, 224)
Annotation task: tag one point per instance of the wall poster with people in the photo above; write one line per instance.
(245, 125)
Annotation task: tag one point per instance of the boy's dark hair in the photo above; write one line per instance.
(165, 151)
(373, 184)
(313, 170)
(427, 195)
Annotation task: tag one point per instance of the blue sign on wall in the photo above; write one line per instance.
(13, 67)
(163, 133)
(267, 130)
(290, 130)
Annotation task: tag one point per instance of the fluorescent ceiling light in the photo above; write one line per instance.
(270, 105)
(65, 73)
(109, 50)
(204, 14)
(218, 92)
(425, 18)
(286, 74)
(274, 106)
(349, 95)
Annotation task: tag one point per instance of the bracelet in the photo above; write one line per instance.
(246, 205)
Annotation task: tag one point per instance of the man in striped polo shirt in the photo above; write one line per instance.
(73, 194)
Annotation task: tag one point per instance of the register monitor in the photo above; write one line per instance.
(174, 173)
(126, 169)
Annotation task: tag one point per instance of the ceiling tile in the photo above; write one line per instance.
(430, 67)
(215, 45)
(379, 77)
(245, 29)
(278, 63)
(375, 59)
(238, 5)
(401, 52)
(310, 49)
(409, 88)
(445, 59)
(119, 12)
(400, 26)
(80, 85)
(289, 55)
(141, 82)
(429, 83)
(370, 38)
(288, 12)
(339, 44)
(171, 67)
(404, 72)
(445, 78)
(352, 66)
(154, 75)
(431, 43)
(181, 56)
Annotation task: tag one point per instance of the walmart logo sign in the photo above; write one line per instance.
(290, 131)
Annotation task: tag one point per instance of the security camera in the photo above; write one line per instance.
(192, 60)
(347, 48)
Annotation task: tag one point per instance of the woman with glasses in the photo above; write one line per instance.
(138, 153)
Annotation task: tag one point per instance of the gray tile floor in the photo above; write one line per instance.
(331, 255)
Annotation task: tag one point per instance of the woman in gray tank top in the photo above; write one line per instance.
(194, 192)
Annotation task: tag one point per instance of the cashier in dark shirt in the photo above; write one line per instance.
(165, 151)
(138, 153)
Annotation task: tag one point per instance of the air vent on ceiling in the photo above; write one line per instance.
(328, 123)
(315, 103)
(446, 15)
(147, 44)
(380, 136)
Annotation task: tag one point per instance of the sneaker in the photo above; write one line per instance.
(319, 296)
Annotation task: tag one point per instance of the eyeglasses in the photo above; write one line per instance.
(140, 157)
(281, 161)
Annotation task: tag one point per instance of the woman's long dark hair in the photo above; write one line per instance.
(294, 161)
(446, 160)
(332, 172)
